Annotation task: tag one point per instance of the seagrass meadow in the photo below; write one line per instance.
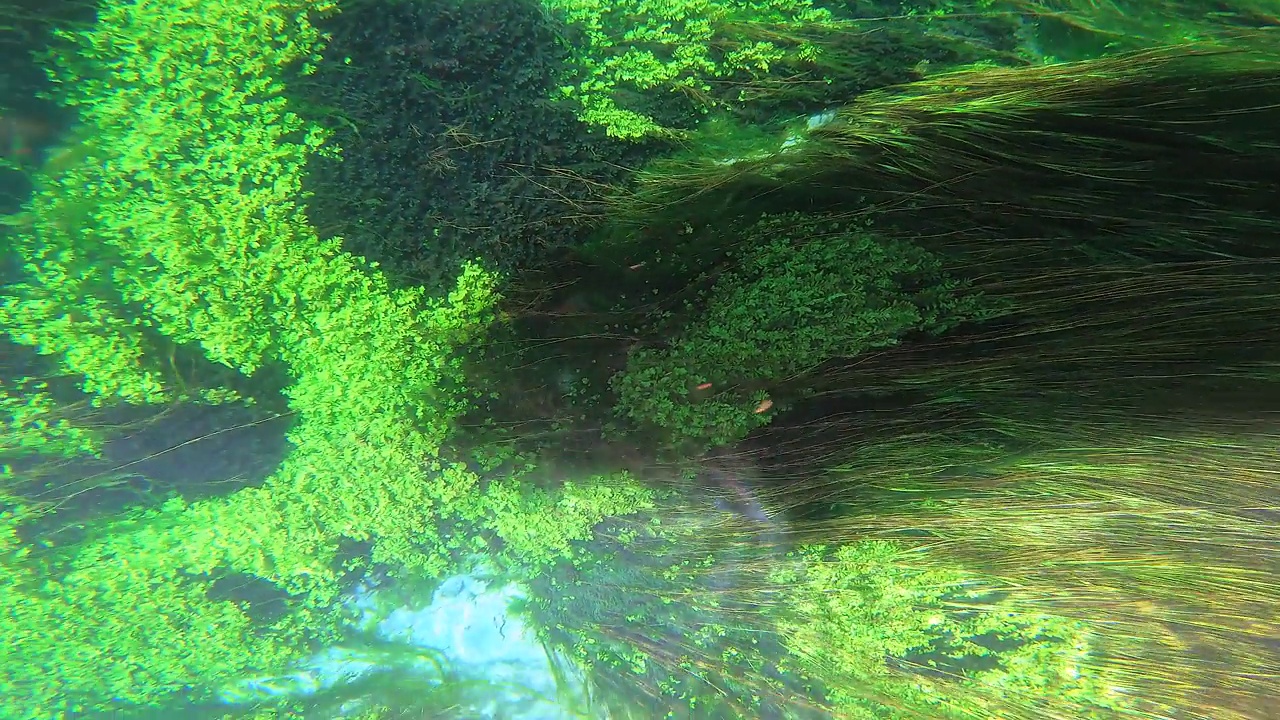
(551, 359)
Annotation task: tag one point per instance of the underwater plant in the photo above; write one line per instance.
(956, 400)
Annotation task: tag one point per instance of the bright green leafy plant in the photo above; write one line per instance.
(675, 46)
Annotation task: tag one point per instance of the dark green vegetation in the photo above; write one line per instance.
(860, 385)
(452, 144)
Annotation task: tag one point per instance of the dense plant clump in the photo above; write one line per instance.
(691, 612)
(675, 47)
(452, 144)
(807, 290)
(908, 628)
(33, 425)
(186, 231)
(654, 69)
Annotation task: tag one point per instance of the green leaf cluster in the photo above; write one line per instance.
(33, 423)
(901, 635)
(809, 289)
(182, 213)
(122, 632)
(672, 46)
(539, 527)
(184, 224)
(37, 435)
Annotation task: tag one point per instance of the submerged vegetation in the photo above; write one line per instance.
(918, 373)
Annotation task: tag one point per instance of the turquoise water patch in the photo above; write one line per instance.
(467, 639)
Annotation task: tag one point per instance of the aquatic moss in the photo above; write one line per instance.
(808, 289)
(450, 147)
(672, 46)
(32, 422)
(118, 635)
(184, 225)
(896, 633)
(539, 528)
